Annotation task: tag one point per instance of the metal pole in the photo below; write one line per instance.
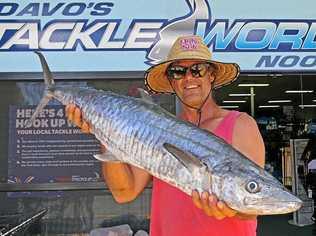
(252, 101)
(302, 95)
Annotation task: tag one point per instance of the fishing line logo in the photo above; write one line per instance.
(270, 42)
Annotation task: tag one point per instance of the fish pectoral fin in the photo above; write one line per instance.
(187, 159)
(106, 156)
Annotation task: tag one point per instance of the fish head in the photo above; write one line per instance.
(254, 191)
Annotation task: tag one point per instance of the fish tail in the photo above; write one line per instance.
(48, 77)
(49, 88)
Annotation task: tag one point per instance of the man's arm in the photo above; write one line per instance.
(248, 140)
(125, 181)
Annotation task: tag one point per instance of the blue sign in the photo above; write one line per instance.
(273, 36)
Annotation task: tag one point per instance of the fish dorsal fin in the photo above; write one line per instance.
(145, 95)
(187, 159)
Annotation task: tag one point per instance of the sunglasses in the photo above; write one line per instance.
(177, 72)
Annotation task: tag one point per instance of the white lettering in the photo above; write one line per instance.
(83, 36)
(135, 38)
(105, 40)
(27, 35)
(46, 42)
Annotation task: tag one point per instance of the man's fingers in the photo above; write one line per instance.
(77, 117)
(205, 204)
(70, 111)
(227, 211)
(211, 205)
(196, 199)
(85, 127)
(215, 210)
(74, 115)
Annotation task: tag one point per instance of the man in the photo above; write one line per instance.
(190, 73)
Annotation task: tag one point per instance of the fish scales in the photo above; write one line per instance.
(123, 133)
(129, 126)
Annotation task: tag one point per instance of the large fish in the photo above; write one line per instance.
(143, 134)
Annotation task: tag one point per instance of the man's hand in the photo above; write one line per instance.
(218, 209)
(211, 206)
(73, 114)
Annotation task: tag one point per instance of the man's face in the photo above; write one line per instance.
(193, 89)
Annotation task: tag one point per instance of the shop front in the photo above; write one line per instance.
(108, 45)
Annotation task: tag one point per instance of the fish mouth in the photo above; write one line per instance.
(276, 207)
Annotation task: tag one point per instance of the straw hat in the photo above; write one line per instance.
(188, 48)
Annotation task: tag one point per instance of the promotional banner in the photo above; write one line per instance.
(50, 150)
(118, 35)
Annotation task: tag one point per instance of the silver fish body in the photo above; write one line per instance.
(145, 135)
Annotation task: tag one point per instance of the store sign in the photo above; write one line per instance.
(131, 35)
(50, 150)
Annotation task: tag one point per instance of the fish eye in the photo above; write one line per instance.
(252, 187)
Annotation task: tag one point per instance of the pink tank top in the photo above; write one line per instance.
(174, 214)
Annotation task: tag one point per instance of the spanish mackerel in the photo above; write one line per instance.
(143, 134)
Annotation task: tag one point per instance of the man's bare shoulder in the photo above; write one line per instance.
(213, 120)
(246, 126)
(248, 140)
(246, 121)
